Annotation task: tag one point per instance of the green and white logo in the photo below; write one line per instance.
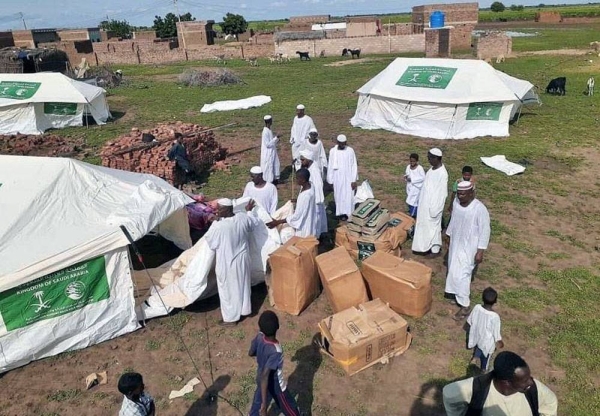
(484, 111)
(18, 90)
(55, 294)
(60, 109)
(426, 77)
(365, 250)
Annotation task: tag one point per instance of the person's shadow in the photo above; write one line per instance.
(208, 403)
(301, 381)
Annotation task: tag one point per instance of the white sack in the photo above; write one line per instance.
(363, 192)
(244, 104)
(500, 163)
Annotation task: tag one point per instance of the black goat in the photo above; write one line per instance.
(303, 56)
(353, 52)
(557, 86)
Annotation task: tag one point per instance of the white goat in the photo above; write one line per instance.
(590, 86)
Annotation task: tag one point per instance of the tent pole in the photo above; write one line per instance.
(520, 109)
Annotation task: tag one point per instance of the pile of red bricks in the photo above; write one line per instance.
(128, 152)
(46, 145)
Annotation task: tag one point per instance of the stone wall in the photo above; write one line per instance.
(368, 45)
(548, 17)
(492, 45)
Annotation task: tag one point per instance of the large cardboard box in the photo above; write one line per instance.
(342, 281)
(404, 284)
(362, 336)
(294, 280)
(363, 212)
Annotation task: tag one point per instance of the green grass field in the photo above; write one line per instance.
(543, 258)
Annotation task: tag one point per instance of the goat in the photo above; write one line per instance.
(283, 57)
(253, 61)
(590, 86)
(351, 52)
(273, 59)
(220, 59)
(499, 59)
(322, 54)
(303, 56)
(557, 86)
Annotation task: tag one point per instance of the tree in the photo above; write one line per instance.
(121, 28)
(234, 24)
(497, 7)
(516, 8)
(167, 27)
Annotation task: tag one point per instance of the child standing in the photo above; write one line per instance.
(136, 402)
(270, 384)
(414, 177)
(484, 331)
(467, 175)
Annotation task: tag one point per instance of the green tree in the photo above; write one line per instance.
(121, 28)
(234, 24)
(497, 7)
(167, 27)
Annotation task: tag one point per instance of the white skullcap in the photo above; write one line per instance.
(299, 107)
(306, 154)
(267, 117)
(436, 152)
(341, 138)
(225, 202)
(313, 130)
(465, 186)
(256, 170)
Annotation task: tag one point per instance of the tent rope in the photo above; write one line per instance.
(173, 326)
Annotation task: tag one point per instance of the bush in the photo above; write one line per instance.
(196, 78)
(497, 7)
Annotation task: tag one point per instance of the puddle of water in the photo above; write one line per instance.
(510, 33)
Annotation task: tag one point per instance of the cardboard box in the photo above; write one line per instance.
(404, 284)
(342, 281)
(384, 243)
(363, 212)
(377, 220)
(294, 281)
(362, 336)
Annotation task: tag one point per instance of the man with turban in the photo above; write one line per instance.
(300, 128)
(260, 191)
(342, 173)
(269, 159)
(316, 179)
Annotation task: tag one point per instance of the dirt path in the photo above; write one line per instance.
(554, 52)
(354, 61)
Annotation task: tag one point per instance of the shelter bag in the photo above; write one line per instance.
(481, 389)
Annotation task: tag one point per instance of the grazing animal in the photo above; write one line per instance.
(499, 59)
(345, 52)
(220, 59)
(303, 56)
(595, 46)
(322, 54)
(488, 60)
(590, 86)
(283, 57)
(272, 59)
(351, 52)
(253, 61)
(557, 86)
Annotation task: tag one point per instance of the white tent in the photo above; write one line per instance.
(441, 99)
(34, 103)
(65, 274)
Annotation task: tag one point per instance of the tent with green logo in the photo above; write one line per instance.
(65, 274)
(441, 99)
(34, 103)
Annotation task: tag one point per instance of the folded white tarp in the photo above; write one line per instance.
(500, 163)
(191, 276)
(246, 103)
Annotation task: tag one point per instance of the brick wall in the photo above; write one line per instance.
(195, 33)
(75, 34)
(106, 35)
(492, 45)
(148, 35)
(368, 45)
(548, 17)
(454, 13)
(462, 36)
(6, 39)
(302, 20)
(433, 47)
(45, 36)
(23, 38)
(361, 28)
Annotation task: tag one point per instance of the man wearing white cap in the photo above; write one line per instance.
(300, 128)
(428, 229)
(316, 179)
(469, 232)
(228, 238)
(342, 173)
(261, 191)
(269, 159)
(316, 147)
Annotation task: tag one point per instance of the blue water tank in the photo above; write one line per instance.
(436, 19)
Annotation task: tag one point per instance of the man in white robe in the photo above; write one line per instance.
(342, 173)
(316, 179)
(260, 191)
(315, 145)
(304, 219)
(300, 128)
(428, 228)
(269, 159)
(228, 238)
(469, 233)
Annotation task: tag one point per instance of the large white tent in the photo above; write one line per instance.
(65, 274)
(441, 99)
(34, 103)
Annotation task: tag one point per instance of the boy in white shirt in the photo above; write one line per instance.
(484, 331)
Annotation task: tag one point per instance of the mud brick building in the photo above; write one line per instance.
(492, 45)
(196, 33)
(462, 16)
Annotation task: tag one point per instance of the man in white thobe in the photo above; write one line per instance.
(342, 173)
(428, 228)
(300, 128)
(228, 238)
(304, 219)
(260, 191)
(469, 233)
(269, 159)
(316, 179)
(315, 145)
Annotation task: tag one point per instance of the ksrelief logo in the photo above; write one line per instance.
(75, 290)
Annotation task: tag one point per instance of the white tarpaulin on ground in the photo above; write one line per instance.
(441, 99)
(246, 103)
(500, 163)
(34, 103)
(191, 277)
(65, 276)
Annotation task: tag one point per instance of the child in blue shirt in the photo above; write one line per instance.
(270, 384)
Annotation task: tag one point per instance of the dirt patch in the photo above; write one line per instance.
(552, 52)
(354, 61)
